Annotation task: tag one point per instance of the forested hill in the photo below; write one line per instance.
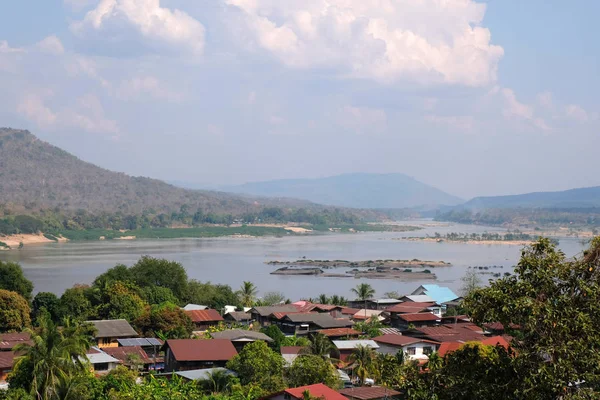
(574, 198)
(360, 190)
(35, 175)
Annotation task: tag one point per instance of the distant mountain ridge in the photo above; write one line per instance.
(357, 190)
(573, 198)
(36, 175)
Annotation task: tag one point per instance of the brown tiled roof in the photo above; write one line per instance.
(399, 340)
(326, 307)
(369, 393)
(319, 391)
(239, 316)
(339, 332)
(281, 315)
(323, 321)
(9, 340)
(113, 328)
(449, 333)
(204, 315)
(123, 353)
(7, 359)
(418, 317)
(201, 349)
(268, 310)
(291, 349)
(409, 307)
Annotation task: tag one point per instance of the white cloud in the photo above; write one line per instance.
(514, 109)
(158, 25)
(51, 45)
(87, 113)
(362, 119)
(430, 41)
(546, 100)
(6, 49)
(464, 123)
(577, 113)
(78, 5)
(147, 86)
(9, 57)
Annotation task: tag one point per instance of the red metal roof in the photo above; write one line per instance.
(449, 347)
(7, 359)
(204, 315)
(350, 311)
(319, 391)
(339, 332)
(418, 317)
(123, 353)
(201, 350)
(9, 340)
(399, 340)
(451, 333)
(409, 307)
(369, 393)
(291, 349)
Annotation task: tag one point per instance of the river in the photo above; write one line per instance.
(57, 266)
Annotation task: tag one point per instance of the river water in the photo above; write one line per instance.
(57, 266)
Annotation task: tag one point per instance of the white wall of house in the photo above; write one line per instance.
(414, 351)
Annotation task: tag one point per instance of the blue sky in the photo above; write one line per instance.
(476, 98)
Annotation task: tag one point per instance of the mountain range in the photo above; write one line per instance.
(573, 198)
(358, 190)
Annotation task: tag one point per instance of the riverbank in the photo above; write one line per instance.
(467, 241)
(372, 273)
(16, 241)
(391, 264)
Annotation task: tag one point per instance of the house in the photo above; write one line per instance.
(346, 347)
(132, 356)
(374, 304)
(449, 347)
(101, 362)
(370, 393)
(423, 298)
(406, 321)
(203, 319)
(240, 337)
(317, 391)
(194, 307)
(340, 333)
(7, 360)
(409, 307)
(303, 323)
(390, 331)
(290, 353)
(8, 341)
(367, 314)
(449, 333)
(439, 294)
(347, 312)
(188, 354)
(150, 345)
(262, 314)
(238, 317)
(414, 348)
(108, 332)
(202, 374)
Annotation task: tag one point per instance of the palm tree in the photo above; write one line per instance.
(320, 345)
(435, 362)
(362, 360)
(323, 299)
(364, 292)
(247, 294)
(295, 341)
(219, 381)
(54, 358)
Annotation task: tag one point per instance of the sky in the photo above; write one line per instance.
(473, 97)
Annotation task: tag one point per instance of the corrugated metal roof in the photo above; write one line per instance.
(319, 391)
(113, 328)
(399, 340)
(123, 353)
(419, 317)
(268, 310)
(323, 321)
(202, 374)
(144, 342)
(420, 298)
(201, 350)
(204, 315)
(339, 332)
(240, 334)
(9, 340)
(192, 307)
(100, 357)
(369, 393)
(410, 307)
(440, 294)
(390, 331)
(352, 344)
(7, 359)
(239, 316)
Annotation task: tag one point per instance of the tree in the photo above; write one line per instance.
(555, 304)
(294, 340)
(470, 282)
(158, 295)
(118, 273)
(48, 301)
(274, 333)
(364, 292)
(323, 299)
(167, 320)
(219, 381)
(12, 279)
(338, 300)
(149, 271)
(362, 361)
(391, 295)
(213, 296)
(388, 370)
(272, 298)
(247, 294)
(56, 356)
(370, 328)
(257, 363)
(310, 369)
(75, 304)
(121, 301)
(14, 312)
(321, 346)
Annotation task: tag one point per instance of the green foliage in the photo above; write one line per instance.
(311, 369)
(370, 328)
(556, 304)
(47, 367)
(259, 364)
(247, 294)
(321, 346)
(471, 281)
(149, 271)
(120, 379)
(14, 312)
(158, 295)
(118, 273)
(272, 298)
(362, 360)
(75, 304)
(48, 302)
(166, 320)
(274, 333)
(120, 301)
(213, 296)
(12, 278)
(364, 291)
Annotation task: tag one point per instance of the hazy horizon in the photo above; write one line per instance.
(474, 98)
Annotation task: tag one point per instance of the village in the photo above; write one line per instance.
(410, 328)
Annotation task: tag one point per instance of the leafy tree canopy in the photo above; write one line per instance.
(14, 312)
(12, 278)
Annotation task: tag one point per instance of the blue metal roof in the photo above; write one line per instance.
(440, 294)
